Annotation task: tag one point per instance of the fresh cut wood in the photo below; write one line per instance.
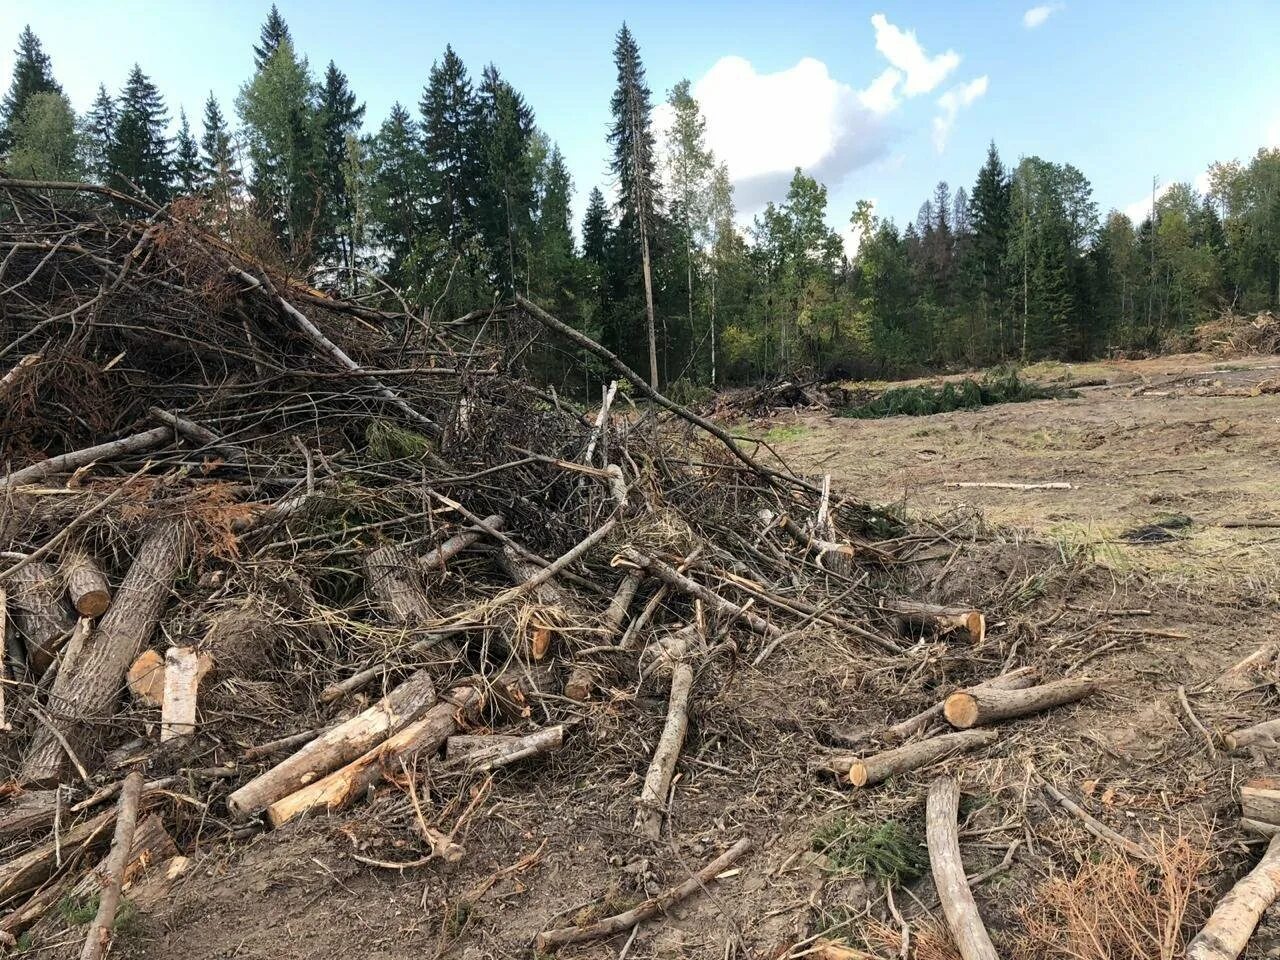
(1017, 679)
(87, 687)
(181, 681)
(1227, 931)
(941, 619)
(338, 790)
(869, 771)
(942, 835)
(86, 584)
(983, 705)
(337, 746)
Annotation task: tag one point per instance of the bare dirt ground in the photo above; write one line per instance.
(552, 843)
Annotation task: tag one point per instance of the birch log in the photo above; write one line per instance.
(983, 705)
(337, 746)
(87, 687)
(943, 837)
(1227, 931)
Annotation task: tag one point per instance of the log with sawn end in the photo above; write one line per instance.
(1227, 931)
(1263, 736)
(979, 706)
(1017, 679)
(86, 584)
(941, 619)
(869, 771)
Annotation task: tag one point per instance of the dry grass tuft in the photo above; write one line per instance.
(1116, 909)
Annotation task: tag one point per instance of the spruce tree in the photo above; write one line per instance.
(555, 277)
(274, 32)
(689, 167)
(633, 163)
(597, 231)
(100, 131)
(989, 205)
(216, 153)
(139, 155)
(340, 120)
(32, 74)
(187, 171)
(506, 200)
(398, 190)
(451, 129)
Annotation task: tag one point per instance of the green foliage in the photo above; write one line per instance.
(966, 394)
(46, 143)
(389, 441)
(77, 911)
(884, 851)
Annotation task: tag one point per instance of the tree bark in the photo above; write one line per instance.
(493, 751)
(1264, 736)
(87, 686)
(1018, 679)
(29, 870)
(75, 459)
(730, 611)
(39, 613)
(943, 838)
(868, 771)
(86, 584)
(971, 708)
(181, 683)
(1227, 931)
(99, 936)
(657, 782)
(336, 747)
(582, 677)
(940, 619)
(441, 555)
(342, 787)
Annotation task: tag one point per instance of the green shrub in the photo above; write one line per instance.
(967, 394)
(885, 851)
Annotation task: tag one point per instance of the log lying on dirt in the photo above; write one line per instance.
(869, 771)
(75, 459)
(40, 616)
(339, 789)
(88, 684)
(1018, 679)
(99, 936)
(943, 838)
(983, 705)
(495, 750)
(1263, 736)
(551, 940)
(28, 871)
(1260, 805)
(86, 584)
(1227, 931)
(678, 581)
(657, 782)
(941, 619)
(337, 746)
(999, 485)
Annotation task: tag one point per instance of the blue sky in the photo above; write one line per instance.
(880, 100)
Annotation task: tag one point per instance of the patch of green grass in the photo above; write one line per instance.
(77, 911)
(885, 851)
(967, 394)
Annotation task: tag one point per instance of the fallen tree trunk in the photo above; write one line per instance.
(657, 782)
(868, 771)
(86, 584)
(437, 559)
(1263, 736)
(1227, 931)
(943, 838)
(425, 735)
(75, 459)
(940, 619)
(28, 871)
(39, 613)
(551, 940)
(336, 747)
(197, 434)
(87, 685)
(99, 935)
(1018, 679)
(971, 708)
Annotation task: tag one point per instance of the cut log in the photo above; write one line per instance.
(657, 782)
(86, 584)
(830, 555)
(999, 485)
(869, 771)
(29, 870)
(1263, 736)
(582, 676)
(337, 746)
(1018, 679)
(1227, 931)
(939, 619)
(551, 940)
(678, 581)
(99, 936)
(75, 459)
(1260, 802)
(152, 845)
(943, 838)
(494, 751)
(972, 708)
(439, 558)
(181, 680)
(146, 678)
(339, 789)
(40, 614)
(86, 688)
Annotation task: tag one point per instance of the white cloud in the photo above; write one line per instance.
(764, 125)
(951, 103)
(881, 96)
(1036, 16)
(903, 50)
